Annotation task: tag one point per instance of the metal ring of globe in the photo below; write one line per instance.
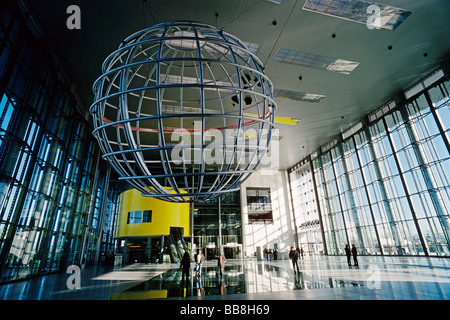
(183, 111)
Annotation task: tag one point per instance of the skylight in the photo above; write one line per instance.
(316, 61)
(252, 47)
(298, 96)
(388, 17)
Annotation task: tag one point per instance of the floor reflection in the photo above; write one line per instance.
(239, 277)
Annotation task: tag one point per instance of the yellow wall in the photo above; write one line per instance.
(164, 215)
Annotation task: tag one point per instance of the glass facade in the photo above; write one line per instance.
(384, 188)
(306, 214)
(224, 212)
(54, 208)
(259, 205)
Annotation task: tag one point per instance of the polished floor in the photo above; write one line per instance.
(319, 278)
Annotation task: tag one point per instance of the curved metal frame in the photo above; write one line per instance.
(210, 66)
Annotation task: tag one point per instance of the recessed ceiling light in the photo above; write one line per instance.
(252, 47)
(358, 11)
(315, 61)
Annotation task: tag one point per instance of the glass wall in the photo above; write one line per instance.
(385, 188)
(51, 193)
(226, 213)
(306, 215)
(331, 208)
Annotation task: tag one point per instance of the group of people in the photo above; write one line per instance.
(295, 254)
(349, 253)
(185, 264)
(269, 255)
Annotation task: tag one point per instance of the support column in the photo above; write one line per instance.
(220, 225)
(367, 195)
(91, 210)
(319, 212)
(387, 206)
(351, 196)
(192, 230)
(161, 250)
(103, 213)
(297, 242)
(148, 250)
(339, 197)
(328, 208)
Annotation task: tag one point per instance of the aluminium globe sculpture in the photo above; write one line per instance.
(183, 111)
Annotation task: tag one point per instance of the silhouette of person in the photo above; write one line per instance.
(186, 266)
(348, 253)
(355, 254)
(293, 255)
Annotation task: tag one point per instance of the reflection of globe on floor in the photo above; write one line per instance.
(183, 111)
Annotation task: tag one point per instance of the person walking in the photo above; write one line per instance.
(349, 254)
(199, 259)
(185, 265)
(299, 252)
(293, 255)
(221, 264)
(355, 255)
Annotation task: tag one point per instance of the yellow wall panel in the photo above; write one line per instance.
(153, 294)
(164, 215)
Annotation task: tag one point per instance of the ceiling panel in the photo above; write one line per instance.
(381, 75)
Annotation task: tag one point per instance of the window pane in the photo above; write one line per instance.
(137, 216)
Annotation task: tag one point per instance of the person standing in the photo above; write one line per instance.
(185, 265)
(199, 260)
(348, 253)
(355, 254)
(299, 252)
(221, 264)
(293, 255)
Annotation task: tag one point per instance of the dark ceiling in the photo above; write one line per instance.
(390, 61)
